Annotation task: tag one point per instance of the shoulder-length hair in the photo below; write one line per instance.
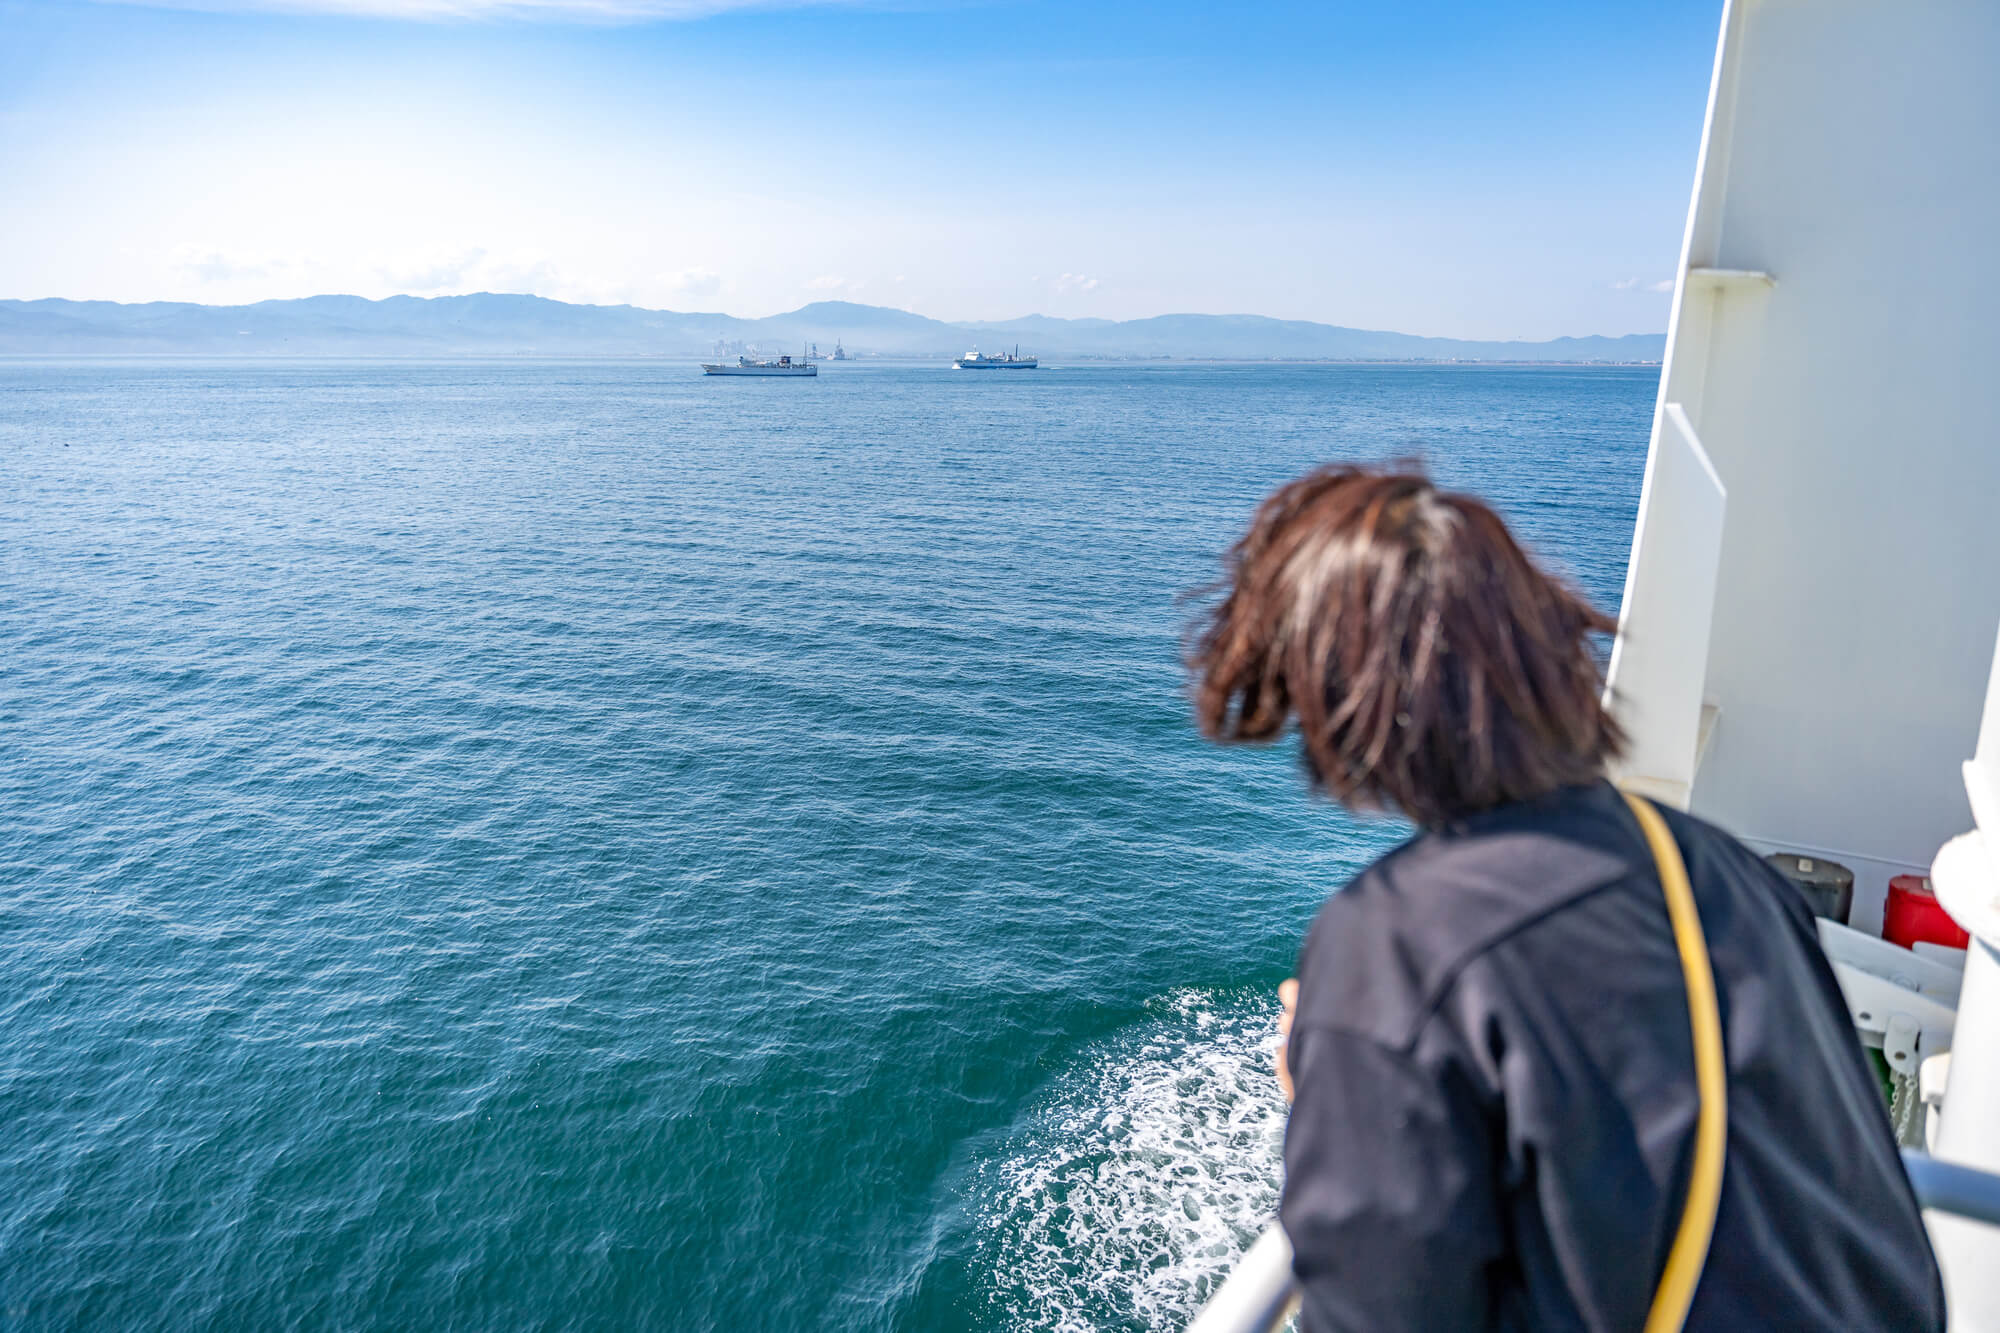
(1432, 667)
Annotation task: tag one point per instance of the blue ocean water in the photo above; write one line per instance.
(557, 845)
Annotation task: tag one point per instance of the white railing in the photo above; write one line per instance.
(1951, 1188)
(1260, 1293)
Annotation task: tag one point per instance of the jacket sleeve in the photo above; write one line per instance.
(1389, 1196)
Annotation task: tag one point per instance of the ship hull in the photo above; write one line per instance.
(785, 372)
(1029, 364)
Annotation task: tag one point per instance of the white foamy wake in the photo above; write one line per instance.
(1128, 1195)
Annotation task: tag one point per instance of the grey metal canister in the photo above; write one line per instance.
(1827, 885)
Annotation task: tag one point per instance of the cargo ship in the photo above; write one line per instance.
(745, 365)
(972, 360)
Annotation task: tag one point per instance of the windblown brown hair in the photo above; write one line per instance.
(1432, 667)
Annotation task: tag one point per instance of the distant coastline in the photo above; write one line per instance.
(487, 324)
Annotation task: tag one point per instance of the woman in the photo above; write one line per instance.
(1489, 1050)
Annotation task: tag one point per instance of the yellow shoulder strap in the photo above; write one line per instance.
(1711, 1132)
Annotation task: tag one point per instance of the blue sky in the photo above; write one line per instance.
(1461, 169)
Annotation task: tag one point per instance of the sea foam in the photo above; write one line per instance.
(1126, 1195)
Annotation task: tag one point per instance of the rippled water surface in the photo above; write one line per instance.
(494, 845)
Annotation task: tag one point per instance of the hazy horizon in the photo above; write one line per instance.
(519, 324)
(1458, 170)
(696, 311)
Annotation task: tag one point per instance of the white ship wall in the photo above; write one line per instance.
(1853, 156)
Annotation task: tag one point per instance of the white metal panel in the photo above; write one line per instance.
(1852, 408)
(1657, 665)
(1966, 874)
(1967, 877)
(1982, 771)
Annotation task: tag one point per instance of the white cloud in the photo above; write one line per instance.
(415, 272)
(1637, 284)
(454, 272)
(587, 11)
(420, 275)
(700, 283)
(206, 264)
(1663, 285)
(833, 282)
(528, 273)
(1075, 282)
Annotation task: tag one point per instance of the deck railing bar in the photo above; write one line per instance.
(1260, 1293)
(1951, 1188)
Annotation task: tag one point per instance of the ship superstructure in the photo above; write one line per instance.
(783, 366)
(1013, 360)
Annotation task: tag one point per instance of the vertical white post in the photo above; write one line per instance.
(1966, 875)
(1660, 661)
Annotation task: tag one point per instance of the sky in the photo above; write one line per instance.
(1472, 170)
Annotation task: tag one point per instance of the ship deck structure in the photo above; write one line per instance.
(781, 367)
(1013, 360)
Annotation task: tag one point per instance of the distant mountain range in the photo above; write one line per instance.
(488, 324)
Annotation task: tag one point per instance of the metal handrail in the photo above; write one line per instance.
(1260, 1292)
(1948, 1187)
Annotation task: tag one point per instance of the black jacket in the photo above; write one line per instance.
(1496, 1096)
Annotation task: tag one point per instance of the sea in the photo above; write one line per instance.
(512, 844)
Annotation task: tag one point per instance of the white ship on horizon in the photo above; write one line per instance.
(1013, 360)
(746, 365)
